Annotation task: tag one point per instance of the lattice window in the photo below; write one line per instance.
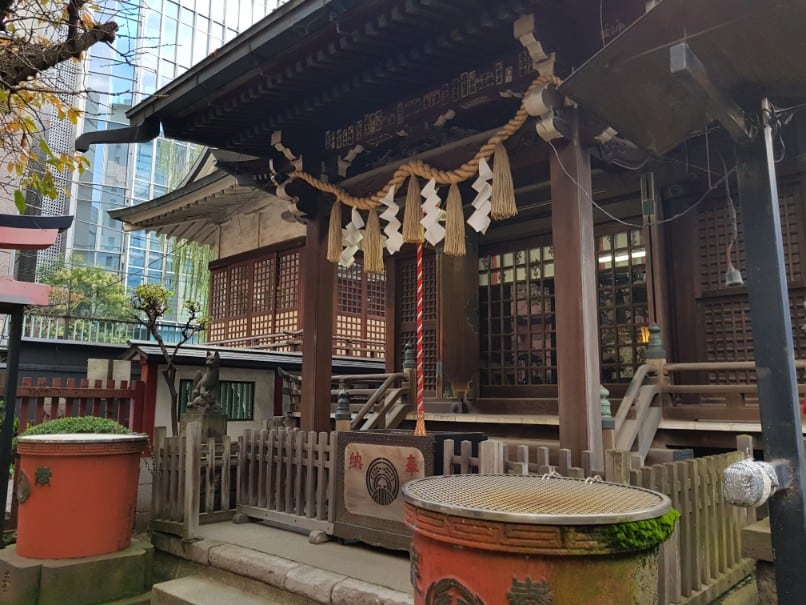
(622, 304)
(218, 294)
(264, 285)
(724, 312)
(349, 296)
(714, 231)
(244, 295)
(376, 294)
(239, 290)
(359, 296)
(516, 317)
(257, 301)
(288, 280)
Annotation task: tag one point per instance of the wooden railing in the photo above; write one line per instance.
(124, 402)
(386, 407)
(376, 400)
(348, 346)
(724, 390)
(639, 414)
(93, 329)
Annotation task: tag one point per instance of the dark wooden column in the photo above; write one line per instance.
(318, 283)
(774, 353)
(578, 373)
(458, 299)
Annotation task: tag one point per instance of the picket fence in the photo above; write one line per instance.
(287, 477)
(39, 401)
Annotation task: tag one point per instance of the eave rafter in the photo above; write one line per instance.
(403, 61)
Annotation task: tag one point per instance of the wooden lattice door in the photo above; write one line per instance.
(407, 313)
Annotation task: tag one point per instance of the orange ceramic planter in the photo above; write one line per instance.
(486, 540)
(77, 494)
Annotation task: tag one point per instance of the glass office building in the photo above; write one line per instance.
(165, 38)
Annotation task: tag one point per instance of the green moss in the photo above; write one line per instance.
(641, 535)
(85, 424)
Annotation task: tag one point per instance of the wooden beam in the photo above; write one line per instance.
(319, 280)
(576, 300)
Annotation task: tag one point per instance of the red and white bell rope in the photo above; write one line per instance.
(419, 428)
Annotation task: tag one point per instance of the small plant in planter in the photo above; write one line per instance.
(85, 468)
(83, 424)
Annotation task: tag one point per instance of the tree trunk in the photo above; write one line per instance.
(169, 374)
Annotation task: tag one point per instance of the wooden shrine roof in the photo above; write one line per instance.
(195, 211)
(330, 74)
(251, 358)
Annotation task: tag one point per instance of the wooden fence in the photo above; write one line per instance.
(703, 558)
(286, 477)
(280, 475)
(193, 481)
(124, 402)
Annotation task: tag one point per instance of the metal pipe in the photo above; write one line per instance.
(774, 353)
(9, 407)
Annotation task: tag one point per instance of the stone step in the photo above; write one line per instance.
(743, 594)
(200, 590)
(98, 579)
(141, 599)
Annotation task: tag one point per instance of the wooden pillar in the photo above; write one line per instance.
(576, 301)
(149, 376)
(774, 352)
(319, 280)
(458, 300)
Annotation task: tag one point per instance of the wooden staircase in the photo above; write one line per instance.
(640, 413)
(371, 407)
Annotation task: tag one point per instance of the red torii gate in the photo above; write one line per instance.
(20, 233)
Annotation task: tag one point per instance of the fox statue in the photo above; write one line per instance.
(206, 385)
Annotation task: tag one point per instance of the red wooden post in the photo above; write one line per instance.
(39, 413)
(96, 402)
(71, 402)
(148, 396)
(55, 400)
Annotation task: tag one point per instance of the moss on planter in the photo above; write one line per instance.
(84, 424)
(641, 535)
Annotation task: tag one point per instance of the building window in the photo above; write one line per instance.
(622, 304)
(360, 329)
(516, 317)
(255, 302)
(237, 398)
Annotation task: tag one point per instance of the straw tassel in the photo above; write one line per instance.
(503, 195)
(334, 243)
(454, 223)
(373, 252)
(413, 213)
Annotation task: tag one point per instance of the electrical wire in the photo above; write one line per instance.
(715, 185)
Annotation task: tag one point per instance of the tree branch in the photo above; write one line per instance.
(31, 59)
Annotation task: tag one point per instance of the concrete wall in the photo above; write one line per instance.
(243, 233)
(264, 396)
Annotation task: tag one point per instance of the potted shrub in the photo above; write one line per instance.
(76, 487)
